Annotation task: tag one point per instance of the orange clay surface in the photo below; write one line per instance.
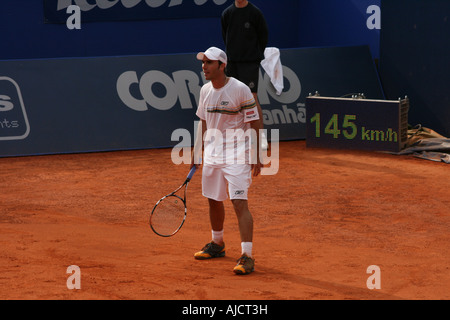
(320, 222)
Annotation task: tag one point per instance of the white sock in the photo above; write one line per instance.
(217, 236)
(247, 248)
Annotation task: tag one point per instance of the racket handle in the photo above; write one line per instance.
(191, 173)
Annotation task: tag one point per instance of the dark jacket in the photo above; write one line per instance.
(245, 33)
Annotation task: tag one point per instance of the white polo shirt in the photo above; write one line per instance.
(228, 112)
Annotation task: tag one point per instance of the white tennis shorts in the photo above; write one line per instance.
(237, 178)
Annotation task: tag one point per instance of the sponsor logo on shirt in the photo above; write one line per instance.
(250, 114)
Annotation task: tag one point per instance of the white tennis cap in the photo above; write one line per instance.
(213, 53)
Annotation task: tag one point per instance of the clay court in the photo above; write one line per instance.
(320, 222)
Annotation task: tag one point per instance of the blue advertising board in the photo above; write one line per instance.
(136, 102)
(14, 123)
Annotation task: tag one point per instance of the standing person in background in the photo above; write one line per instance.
(245, 34)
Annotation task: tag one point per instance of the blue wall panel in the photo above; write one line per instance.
(337, 23)
(415, 51)
(25, 35)
(292, 24)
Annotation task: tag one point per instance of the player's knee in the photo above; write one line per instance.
(214, 204)
(240, 206)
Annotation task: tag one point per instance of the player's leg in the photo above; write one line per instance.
(245, 221)
(217, 218)
(239, 181)
(246, 263)
(214, 188)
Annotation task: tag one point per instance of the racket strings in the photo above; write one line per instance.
(168, 215)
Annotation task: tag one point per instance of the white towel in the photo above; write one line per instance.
(272, 66)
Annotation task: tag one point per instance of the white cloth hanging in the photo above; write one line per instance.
(272, 66)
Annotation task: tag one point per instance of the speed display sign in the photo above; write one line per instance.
(355, 123)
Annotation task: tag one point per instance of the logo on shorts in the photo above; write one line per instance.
(225, 103)
(239, 192)
(13, 117)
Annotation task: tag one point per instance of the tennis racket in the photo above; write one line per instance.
(169, 213)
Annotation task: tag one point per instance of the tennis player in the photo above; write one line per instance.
(227, 105)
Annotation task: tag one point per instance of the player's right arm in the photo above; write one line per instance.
(196, 158)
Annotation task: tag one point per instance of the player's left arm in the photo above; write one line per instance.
(253, 116)
(255, 125)
(256, 163)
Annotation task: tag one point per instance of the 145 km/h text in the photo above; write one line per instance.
(349, 129)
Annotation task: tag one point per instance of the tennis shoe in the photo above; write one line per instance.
(210, 250)
(245, 265)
